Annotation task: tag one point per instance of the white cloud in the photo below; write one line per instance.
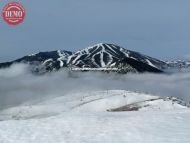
(18, 84)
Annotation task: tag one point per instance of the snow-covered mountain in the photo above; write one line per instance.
(110, 55)
(99, 116)
(102, 55)
(93, 101)
(178, 64)
(43, 61)
(107, 101)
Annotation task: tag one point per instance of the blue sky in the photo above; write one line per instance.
(158, 28)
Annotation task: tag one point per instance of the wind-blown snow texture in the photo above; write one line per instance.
(82, 117)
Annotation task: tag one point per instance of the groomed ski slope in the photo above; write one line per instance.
(83, 118)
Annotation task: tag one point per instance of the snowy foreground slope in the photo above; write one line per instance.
(88, 118)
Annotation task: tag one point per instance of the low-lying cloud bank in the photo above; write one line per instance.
(18, 85)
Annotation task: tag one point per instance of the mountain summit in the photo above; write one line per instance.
(105, 55)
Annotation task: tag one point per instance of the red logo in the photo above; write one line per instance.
(13, 13)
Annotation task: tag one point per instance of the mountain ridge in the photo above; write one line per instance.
(102, 55)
